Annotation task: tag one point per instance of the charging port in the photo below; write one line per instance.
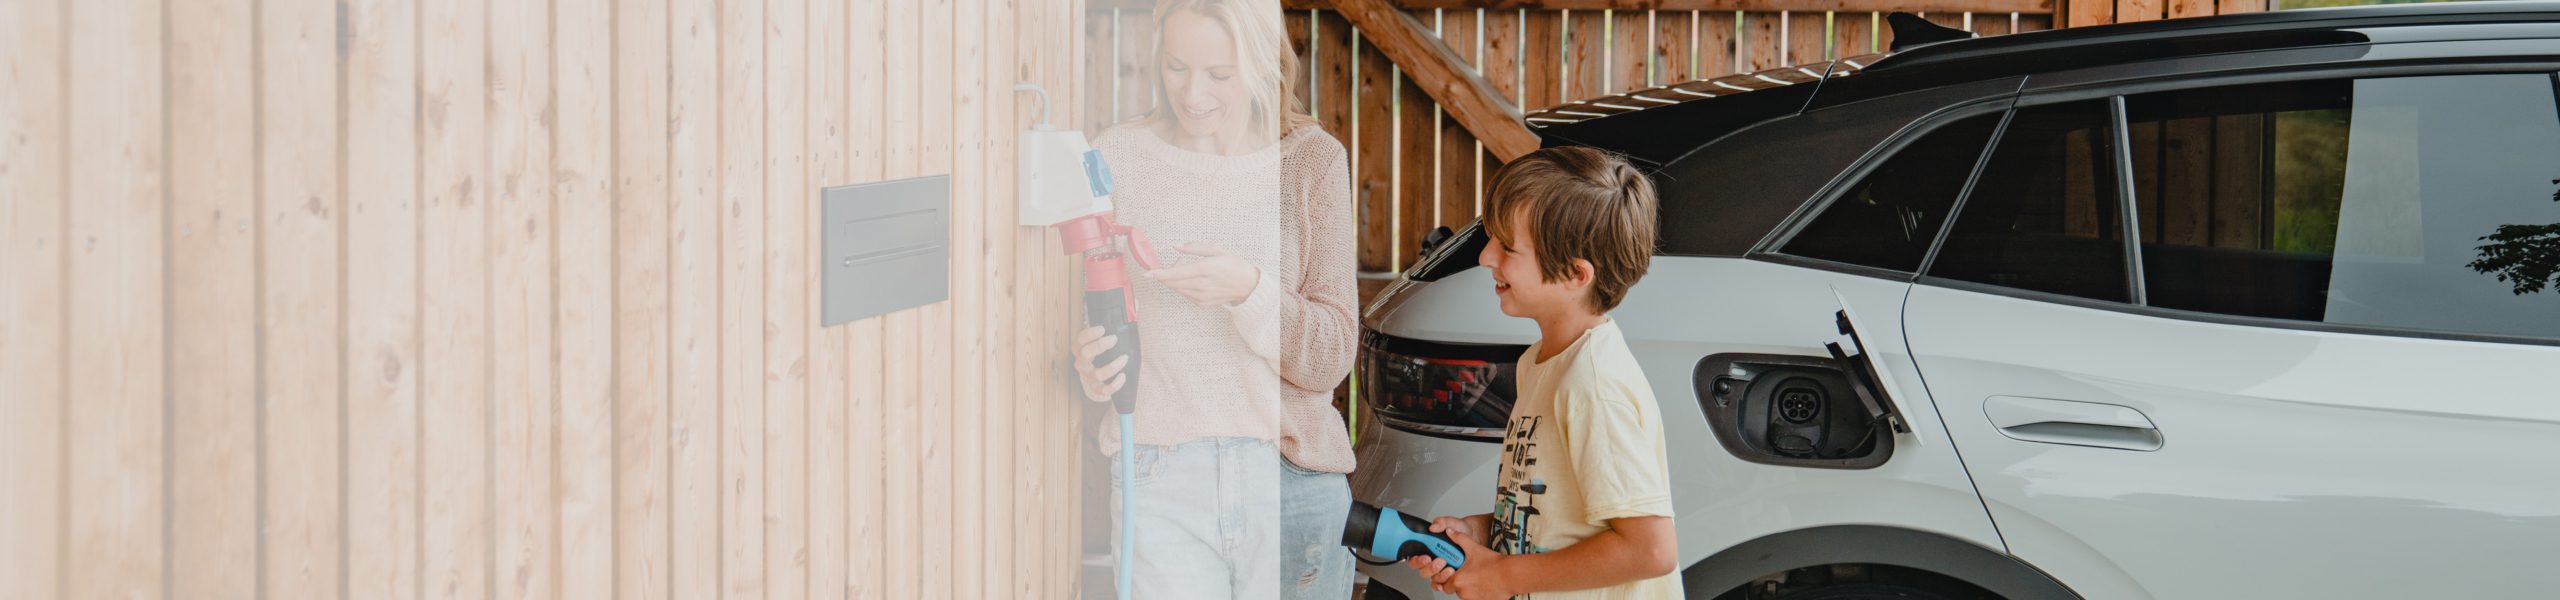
(1790, 410)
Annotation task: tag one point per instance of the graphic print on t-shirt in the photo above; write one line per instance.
(1515, 506)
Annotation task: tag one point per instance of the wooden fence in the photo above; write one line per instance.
(379, 299)
(1415, 168)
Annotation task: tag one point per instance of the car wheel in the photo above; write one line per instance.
(1865, 591)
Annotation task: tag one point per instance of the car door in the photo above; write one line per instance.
(2276, 339)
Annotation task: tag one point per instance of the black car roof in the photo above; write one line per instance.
(1658, 132)
(2021, 52)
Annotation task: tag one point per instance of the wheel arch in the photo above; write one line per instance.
(1872, 544)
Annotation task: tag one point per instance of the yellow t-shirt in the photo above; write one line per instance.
(1584, 446)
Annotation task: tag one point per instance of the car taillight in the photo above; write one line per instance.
(1441, 389)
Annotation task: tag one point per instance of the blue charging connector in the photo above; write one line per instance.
(1391, 535)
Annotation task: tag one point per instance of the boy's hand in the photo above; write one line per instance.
(1483, 577)
(1476, 527)
(1217, 279)
(1480, 578)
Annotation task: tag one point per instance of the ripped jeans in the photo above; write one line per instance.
(1313, 563)
(1208, 520)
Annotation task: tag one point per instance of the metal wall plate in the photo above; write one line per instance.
(887, 247)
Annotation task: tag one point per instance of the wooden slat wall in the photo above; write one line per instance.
(1413, 167)
(515, 299)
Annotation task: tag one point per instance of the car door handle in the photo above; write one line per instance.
(2072, 423)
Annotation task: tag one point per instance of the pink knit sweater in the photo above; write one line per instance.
(1266, 367)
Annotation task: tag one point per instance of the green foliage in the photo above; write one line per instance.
(2525, 256)
(2310, 179)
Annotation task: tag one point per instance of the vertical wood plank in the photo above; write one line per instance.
(1952, 20)
(1501, 60)
(1373, 174)
(455, 372)
(1631, 43)
(903, 569)
(1719, 49)
(2026, 23)
(693, 303)
(1497, 59)
(1293, 23)
(1101, 71)
(641, 487)
(118, 435)
(742, 301)
(521, 258)
(2239, 181)
(34, 143)
(1458, 154)
(1032, 382)
(828, 386)
(1761, 45)
(1587, 52)
(969, 267)
(1672, 41)
(1542, 59)
(1133, 73)
(453, 367)
(2132, 11)
(2084, 13)
(212, 332)
(2147, 153)
(1854, 34)
(864, 454)
(2186, 182)
(1065, 539)
(934, 372)
(1002, 115)
(1333, 85)
(786, 304)
(1417, 205)
(2233, 7)
(301, 206)
(1808, 40)
(2079, 204)
(382, 301)
(583, 66)
(1991, 24)
(2179, 9)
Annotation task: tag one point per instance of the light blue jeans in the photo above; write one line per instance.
(1313, 505)
(1208, 520)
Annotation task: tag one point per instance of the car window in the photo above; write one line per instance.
(2427, 203)
(2044, 215)
(1888, 219)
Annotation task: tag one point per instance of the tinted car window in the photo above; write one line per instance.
(2422, 203)
(1888, 219)
(2044, 215)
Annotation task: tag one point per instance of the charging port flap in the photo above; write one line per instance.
(1862, 376)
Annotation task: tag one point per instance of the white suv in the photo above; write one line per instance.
(2259, 306)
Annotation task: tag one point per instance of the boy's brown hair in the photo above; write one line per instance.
(1578, 203)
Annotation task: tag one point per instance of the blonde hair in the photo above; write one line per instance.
(1578, 204)
(1264, 59)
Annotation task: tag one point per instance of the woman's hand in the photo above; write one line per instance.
(1100, 381)
(1217, 279)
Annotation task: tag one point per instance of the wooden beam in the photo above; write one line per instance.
(1439, 72)
(1930, 6)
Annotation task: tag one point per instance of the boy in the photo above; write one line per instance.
(1583, 508)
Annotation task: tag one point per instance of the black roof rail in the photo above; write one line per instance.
(2273, 22)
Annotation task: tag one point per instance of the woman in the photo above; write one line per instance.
(1248, 326)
